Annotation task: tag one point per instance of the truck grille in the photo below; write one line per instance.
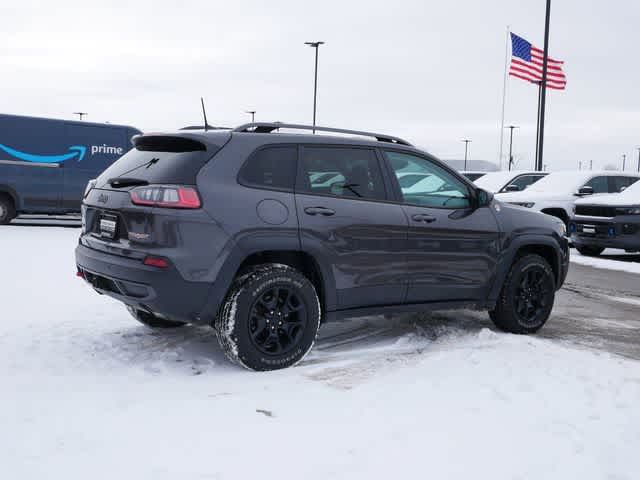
(595, 211)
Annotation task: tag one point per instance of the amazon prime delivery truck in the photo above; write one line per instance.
(45, 164)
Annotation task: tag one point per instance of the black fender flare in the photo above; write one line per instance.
(509, 255)
(242, 249)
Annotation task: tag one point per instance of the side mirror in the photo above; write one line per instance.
(512, 188)
(585, 190)
(622, 189)
(484, 197)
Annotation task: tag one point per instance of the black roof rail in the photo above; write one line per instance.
(268, 127)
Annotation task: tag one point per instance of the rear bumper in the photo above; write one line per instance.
(163, 292)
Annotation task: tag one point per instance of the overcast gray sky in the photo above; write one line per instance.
(425, 70)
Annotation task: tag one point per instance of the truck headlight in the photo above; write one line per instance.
(628, 210)
(523, 204)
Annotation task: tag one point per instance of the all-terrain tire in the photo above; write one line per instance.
(152, 321)
(512, 310)
(274, 292)
(7, 210)
(590, 251)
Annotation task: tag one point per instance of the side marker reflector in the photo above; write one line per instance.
(157, 262)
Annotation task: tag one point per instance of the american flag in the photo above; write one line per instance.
(526, 63)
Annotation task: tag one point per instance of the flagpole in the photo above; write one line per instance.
(504, 96)
(535, 162)
(543, 97)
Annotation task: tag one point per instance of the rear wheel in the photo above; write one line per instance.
(270, 318)
(153, 321)
(527, 296)
(590, 251)
(7, 210)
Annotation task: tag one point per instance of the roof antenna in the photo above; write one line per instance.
(204, 114)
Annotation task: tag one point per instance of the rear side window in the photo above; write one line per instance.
(343, 172)
(618, 184)
(271, 167)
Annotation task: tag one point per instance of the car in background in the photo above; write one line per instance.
(607, 221)
(556, 193)
(473, 175)
(45, 164)
(509, 180)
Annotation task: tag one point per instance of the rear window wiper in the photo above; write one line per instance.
(121, 182)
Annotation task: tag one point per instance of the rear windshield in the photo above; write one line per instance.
(162, 159)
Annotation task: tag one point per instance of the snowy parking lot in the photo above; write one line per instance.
(87, 392)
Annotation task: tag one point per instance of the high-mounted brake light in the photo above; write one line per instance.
(166, 196)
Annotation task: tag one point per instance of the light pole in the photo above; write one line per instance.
(315, 81)
(80, 114)
(638, 158)
(624, 161)
(543, 93)
(580, 165)
(590, 164)
(511, 128)
(253, 115)
(466, 149)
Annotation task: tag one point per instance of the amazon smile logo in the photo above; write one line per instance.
(76, 151)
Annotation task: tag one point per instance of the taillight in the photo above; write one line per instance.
(166, 196)
(90, 185)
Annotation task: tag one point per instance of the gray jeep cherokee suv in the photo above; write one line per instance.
(265, 235)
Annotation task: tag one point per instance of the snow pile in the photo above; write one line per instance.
(623, 262)
(87, 393)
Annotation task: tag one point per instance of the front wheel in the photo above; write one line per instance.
(527, 296)
(590, 251)
(270, 318)
(152, 321)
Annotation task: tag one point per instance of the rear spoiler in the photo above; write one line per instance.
(166, 143)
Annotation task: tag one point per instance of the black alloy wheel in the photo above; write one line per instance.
(533, 295)
(270, 318)
(277, 321)
(527, 296)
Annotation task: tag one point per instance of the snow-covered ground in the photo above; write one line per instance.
(88, 393)
(616, 260)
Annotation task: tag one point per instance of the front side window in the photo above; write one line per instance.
(599, 184)
(271, 167)
(342, 171)
(436, 187)
(524, 181)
